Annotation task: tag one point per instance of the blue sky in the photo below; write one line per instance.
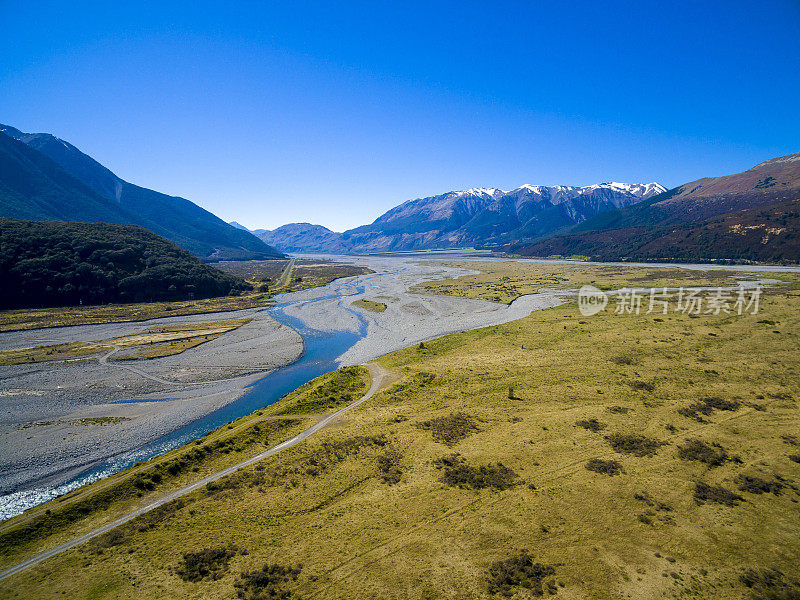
(269, 113)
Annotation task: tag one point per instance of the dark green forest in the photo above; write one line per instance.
(53, 263)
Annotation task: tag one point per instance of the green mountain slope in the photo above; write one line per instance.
(55, 180)
(54, 263)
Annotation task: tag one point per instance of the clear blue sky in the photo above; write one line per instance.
(333, 112)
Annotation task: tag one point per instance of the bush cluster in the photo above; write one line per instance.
(458, 473)
(267, 584)
(633, 443)
(451, 429)
(208, 563)
(505, 577)
(706, 406)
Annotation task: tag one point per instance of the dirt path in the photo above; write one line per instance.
(380, 378)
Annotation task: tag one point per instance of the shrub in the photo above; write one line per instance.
(642, 385)
(618, 410)
(591, 424)
(208, 563)
(518, 571)
(632, 443)
(770, 584)
(711, 454)
(756, 485)
(451, 429)
(267, 584)
(389, 466)
(609, 467)
(707, 493)
(792, 440)
(458, 473)
(706, 406)
(795, 457)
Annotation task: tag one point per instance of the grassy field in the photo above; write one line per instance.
(503, 281)
(614, 456)
(290, 275)
(263, 274)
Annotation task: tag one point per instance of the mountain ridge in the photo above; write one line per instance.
(472, 217)
(752, 215)
(60, 182)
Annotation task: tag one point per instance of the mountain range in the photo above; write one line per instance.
(751, 216)
(43, 177)
(474, 217)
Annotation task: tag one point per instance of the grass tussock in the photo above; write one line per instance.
(457, 473)
(608, 467)
(451, 429)
(519, 572)
(635, 444)
(208, 563)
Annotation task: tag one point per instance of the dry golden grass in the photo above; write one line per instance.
(640, 533)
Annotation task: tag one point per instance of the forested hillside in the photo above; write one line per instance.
(52, 263)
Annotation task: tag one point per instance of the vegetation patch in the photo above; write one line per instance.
(333, 391)
(52, 263)
(591, 424)
(208, 563)
(389, 466)
(770, 584)
(618, 410)
(633, 443)
(656, 510)
(458, 473)
(451, 429)
(706, 406)
(704, 492)
(270, 583)
(609, 467)
(756, 485)
(519, 572)
(370, 305)
(711, 454)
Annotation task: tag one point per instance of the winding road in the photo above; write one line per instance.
(380, 376)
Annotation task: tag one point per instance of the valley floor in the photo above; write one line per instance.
(610, 456)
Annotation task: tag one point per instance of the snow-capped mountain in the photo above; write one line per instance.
(476, 216)
(489, 215)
